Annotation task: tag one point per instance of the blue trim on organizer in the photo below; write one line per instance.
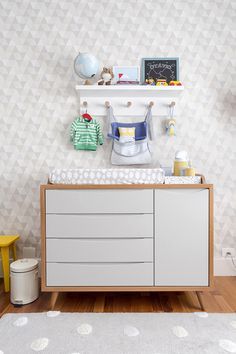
(140, 129)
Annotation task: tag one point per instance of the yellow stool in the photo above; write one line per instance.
(6, 242)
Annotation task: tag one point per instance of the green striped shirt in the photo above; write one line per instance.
(86, 135)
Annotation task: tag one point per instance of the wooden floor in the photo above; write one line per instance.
(221, 299)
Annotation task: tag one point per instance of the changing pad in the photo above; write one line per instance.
(107, 176)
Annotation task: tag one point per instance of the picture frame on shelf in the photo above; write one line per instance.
(160, 69)
(126, 75)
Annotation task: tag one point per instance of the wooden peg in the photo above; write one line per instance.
(107, 104)
(129, 103)
(151, 104)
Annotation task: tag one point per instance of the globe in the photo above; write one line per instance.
(86, 65)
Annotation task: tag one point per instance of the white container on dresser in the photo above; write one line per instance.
(126, 237)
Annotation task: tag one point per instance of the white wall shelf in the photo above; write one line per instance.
(157, 90)
(119, 95)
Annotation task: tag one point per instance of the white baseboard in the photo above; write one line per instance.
(222, 267)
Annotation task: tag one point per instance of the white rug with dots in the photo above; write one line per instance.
(118, 333)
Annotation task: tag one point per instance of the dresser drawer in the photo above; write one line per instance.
(100, 250)
(103, 225)
(99, 201)
(99, 274)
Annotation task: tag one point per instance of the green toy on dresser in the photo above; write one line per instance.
(86, 133)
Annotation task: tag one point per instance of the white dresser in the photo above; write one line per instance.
(126, 237)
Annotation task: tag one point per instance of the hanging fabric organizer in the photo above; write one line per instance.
(136, 149)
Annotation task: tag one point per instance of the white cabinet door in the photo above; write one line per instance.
(181, 237)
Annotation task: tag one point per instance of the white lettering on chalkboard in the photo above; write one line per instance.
(160, 65)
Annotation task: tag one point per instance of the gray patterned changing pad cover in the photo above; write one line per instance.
(107, 176)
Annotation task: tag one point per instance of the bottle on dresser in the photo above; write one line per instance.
(182, 165)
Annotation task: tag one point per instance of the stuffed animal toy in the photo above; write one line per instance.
(106, 76)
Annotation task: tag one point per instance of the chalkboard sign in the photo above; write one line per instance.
(160, 68)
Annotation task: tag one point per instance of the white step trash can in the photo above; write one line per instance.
(24, 281)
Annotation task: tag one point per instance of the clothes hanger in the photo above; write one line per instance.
(86, 115)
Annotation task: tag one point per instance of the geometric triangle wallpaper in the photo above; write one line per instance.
(39, 41)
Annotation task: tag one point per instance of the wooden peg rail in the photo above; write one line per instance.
(129, 100)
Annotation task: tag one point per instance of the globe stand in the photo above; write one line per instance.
(87, 82)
